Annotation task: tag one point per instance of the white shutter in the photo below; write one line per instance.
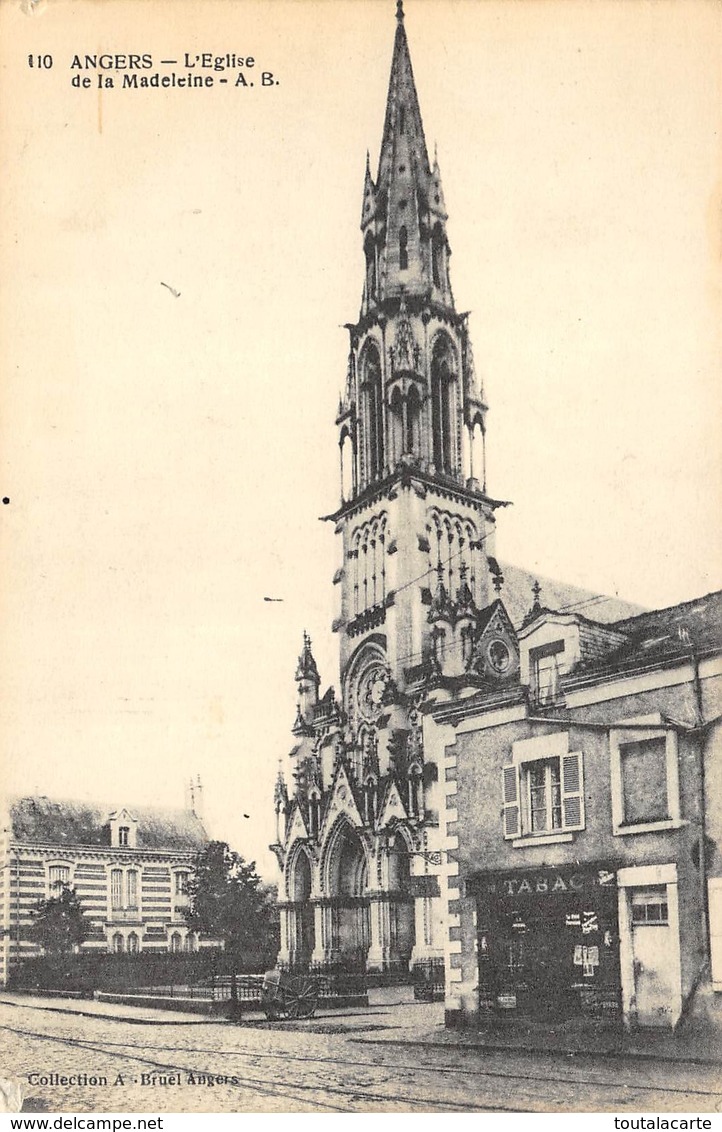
(510, 795)
(572, 791)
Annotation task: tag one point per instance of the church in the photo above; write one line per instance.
(446, 782)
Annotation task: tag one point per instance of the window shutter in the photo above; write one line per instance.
(572, 791)
(510, 794)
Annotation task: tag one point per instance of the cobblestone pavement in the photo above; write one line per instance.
(331, 1065)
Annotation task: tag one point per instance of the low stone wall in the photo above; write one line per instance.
(219, 1007)
(161, 1002)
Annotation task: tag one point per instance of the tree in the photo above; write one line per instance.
(229, 902)
(59, 925)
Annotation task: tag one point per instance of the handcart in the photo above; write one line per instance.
(288, 996)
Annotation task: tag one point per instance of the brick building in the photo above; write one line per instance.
(128, 865)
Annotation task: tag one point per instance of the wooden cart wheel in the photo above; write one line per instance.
(308, 998)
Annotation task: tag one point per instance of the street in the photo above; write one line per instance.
(332, 1064)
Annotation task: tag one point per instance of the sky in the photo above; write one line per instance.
(167, 457)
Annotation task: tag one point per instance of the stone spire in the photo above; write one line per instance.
(306, 668)
(403, 218)
(308, 681)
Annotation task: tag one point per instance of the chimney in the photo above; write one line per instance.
(197, 795)
(190, 797)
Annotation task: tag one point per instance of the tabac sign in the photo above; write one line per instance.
(544, 882)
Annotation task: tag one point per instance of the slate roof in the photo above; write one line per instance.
(659, 636)
(57, 821)
(560, 597)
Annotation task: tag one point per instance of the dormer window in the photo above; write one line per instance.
(123, 829)
(544, 671)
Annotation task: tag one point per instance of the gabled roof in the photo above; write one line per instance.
(56, 821)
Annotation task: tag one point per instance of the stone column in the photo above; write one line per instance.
(379, 951)
(325, 945)
(285, 914)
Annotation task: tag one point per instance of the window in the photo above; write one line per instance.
(543, 781)
(543, 790)
(133, 943)
(123, 835)
(116, 890)
(181, 880)
(176, 943)
(403, 248)
(370, 254)
(58, 876)
(644, 776)
(650, 906)
(132, 883)
(442, 374)
(374, 412)
(644, 780)
(117, 943)
(544, 664)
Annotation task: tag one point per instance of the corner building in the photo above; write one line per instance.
(358, 833)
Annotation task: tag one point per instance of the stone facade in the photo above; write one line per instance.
(359, 840)
(582, 813)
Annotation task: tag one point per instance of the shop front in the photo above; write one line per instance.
(548, 943)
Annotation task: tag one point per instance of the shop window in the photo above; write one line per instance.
(543, 790)
(645, 778)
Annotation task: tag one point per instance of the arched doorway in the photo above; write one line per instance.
(305, 932)
(402, 925)
(347, 887)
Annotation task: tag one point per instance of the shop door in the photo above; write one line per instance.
(653, 975)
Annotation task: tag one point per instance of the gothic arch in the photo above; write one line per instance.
(370, 257)
(413, 422)
(347, 453)
(453, 542)
(443, 381)
(438, 265)
(373, 409)
(368, 557)
(344, 860)
(294, 869)
(396, 422)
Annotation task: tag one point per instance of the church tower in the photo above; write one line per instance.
(360, 845)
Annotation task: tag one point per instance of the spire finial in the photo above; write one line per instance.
(400, 11)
